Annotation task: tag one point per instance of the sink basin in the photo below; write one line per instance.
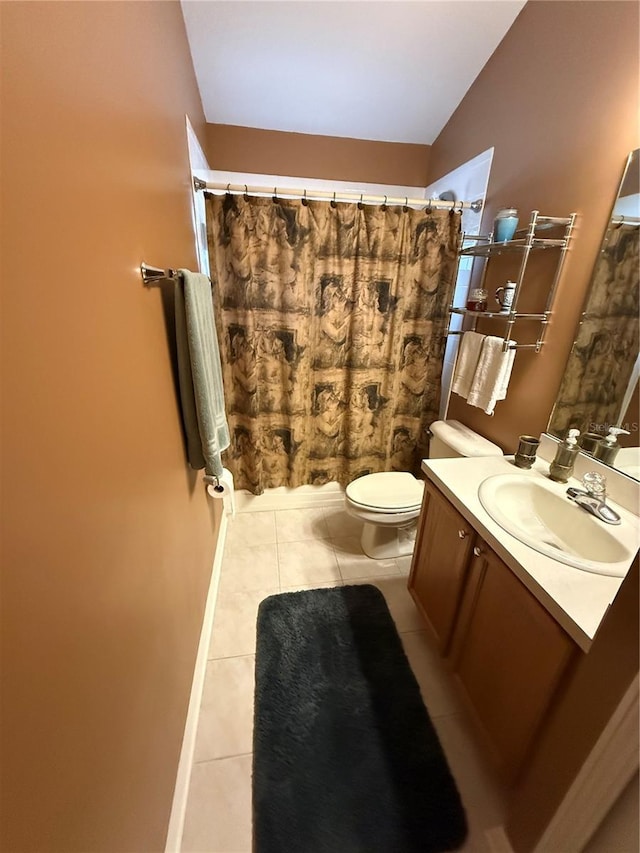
(628, 461)
(537, 513)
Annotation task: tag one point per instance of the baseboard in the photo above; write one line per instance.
(302, 497)
(181, 790)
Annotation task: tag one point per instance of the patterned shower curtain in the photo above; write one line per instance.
(331, 321)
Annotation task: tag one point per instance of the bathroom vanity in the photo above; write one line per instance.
(511, 622)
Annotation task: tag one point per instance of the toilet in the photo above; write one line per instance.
(388, 503)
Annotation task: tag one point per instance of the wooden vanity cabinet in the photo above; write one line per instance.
(509, 655)
(440, 563)
(507, 652)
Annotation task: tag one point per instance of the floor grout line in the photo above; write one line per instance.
(223, 757)
(229, 551)
(278, 564)
(374, 578)
(305, 539)
(445, 715)
(229, 657)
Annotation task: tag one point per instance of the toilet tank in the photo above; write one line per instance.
(451, 438)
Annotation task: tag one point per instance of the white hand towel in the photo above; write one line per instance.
(466, 363)
(492, 375)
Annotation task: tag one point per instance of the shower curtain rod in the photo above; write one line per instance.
(625, 220)
(337, 195)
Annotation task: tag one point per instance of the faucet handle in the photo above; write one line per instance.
(595, 483)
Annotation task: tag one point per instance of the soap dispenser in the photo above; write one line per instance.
(607, 448)
(562, 466)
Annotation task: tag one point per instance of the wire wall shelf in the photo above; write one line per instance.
(526, 241)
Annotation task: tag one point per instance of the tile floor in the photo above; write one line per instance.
(283, 551)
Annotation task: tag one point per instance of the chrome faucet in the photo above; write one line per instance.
(592, 499)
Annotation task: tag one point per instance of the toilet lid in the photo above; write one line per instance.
(387, 491)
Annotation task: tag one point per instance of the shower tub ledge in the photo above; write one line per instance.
(283, 497)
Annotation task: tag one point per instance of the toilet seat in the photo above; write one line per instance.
(386, 492)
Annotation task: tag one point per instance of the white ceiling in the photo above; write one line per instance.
(392, 71)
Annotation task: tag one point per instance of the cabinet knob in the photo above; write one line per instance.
(478, 551)
(462, 534)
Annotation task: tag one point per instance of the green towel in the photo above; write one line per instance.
(199, 372)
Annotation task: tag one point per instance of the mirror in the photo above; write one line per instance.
(599, 389)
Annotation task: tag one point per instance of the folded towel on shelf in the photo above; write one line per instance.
(491, 379)
(466, 363)
(199, 373)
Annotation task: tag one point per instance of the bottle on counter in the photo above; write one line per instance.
(562, 466)
(608, 447)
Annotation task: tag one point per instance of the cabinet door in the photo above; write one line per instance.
(509, 654)
(440, 563)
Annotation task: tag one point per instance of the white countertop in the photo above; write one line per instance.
(577, 599)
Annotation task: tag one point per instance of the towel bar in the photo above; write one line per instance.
(508, 344)
(151, 275)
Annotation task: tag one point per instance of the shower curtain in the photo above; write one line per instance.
(331, 321)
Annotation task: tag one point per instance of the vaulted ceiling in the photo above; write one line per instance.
(391, 71)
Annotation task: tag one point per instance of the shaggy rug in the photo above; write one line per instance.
(346, 759)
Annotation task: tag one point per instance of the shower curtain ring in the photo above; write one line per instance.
(246, 193)
(333, 200)
(275, 194)
(406, 204)
(228, 191)
(360, 205)
(304, 198)
(384, 203)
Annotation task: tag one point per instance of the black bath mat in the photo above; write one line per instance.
(346, 759)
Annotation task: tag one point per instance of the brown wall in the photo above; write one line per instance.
(558, 99)
(107, 536)
(272, 152)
